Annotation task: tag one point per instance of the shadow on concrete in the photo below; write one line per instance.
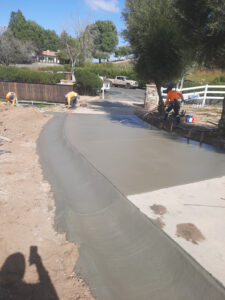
(12, 286)
(122, 113)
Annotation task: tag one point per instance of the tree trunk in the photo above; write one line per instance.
(100, 60)
(72, 72)
(222, 120)
(161, 103)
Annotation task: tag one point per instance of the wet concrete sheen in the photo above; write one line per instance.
(90, 164)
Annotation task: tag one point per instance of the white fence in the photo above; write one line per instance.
(202, 93)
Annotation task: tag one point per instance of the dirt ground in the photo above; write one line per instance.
(159, 209)
(35, 261)
(207, 116)
(189, 232)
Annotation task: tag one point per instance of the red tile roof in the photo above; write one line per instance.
(49, 53)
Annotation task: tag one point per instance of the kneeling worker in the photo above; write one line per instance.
(173, 100)
(11, 97)
(71, 98)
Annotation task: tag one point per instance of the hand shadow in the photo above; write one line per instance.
(12, 286)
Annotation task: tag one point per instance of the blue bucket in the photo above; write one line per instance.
(189, 119)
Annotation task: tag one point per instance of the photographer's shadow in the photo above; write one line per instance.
(12, 286)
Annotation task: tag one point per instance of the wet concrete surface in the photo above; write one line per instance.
(137, 159)
(92, 162)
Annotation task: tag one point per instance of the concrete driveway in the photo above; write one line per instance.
(93, 162)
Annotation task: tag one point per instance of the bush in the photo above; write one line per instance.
(219, 80)
(87, 82)
(108, 70)
(25, 75)
(53, 69)
(111, 70)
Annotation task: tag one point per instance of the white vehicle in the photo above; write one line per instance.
(123, 81)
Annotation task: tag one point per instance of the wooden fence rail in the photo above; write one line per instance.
(34, 92)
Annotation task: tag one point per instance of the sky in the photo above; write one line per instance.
(57, 15)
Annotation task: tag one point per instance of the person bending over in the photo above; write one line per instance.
(71, 98)
(173, 102)
(12, 98)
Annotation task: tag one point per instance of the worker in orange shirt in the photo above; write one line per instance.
(173, 102)
(12, 98)
(71, 98)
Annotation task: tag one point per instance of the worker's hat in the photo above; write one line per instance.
(12, 96)
(170, 87)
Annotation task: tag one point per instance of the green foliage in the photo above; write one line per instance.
(25, 75)
(66, 43)
(54, 69)
(26, 30)
(203, 27)
(105, 39)
(156, 40)
(108, 70)
(123, 51)
(188, 84)
(14, 51)
(219, 80)
(111, 70)
(87, 82)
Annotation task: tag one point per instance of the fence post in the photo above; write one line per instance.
(205, 95)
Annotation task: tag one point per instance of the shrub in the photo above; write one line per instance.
(54, 69)
(25, 75)
(111, 70)
(87, 82)
(219, 80)
(108, 70)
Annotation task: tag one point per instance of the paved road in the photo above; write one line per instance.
(92, 163)
(137, 95)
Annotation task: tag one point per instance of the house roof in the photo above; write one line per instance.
(49, 53)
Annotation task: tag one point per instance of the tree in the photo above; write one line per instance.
(14, 51)
(105, 39)
(203, 26)
(123, 51)
(78, 47)
(155, 37)
(30, 31)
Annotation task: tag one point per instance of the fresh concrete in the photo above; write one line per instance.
(92, 163)
(136, 158)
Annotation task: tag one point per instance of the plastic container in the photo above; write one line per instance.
(189, 118)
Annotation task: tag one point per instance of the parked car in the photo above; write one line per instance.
(124, 82)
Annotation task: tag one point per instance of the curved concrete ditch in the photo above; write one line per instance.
(122, 254)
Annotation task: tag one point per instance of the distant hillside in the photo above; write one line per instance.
(123, 62)
(202, 76)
